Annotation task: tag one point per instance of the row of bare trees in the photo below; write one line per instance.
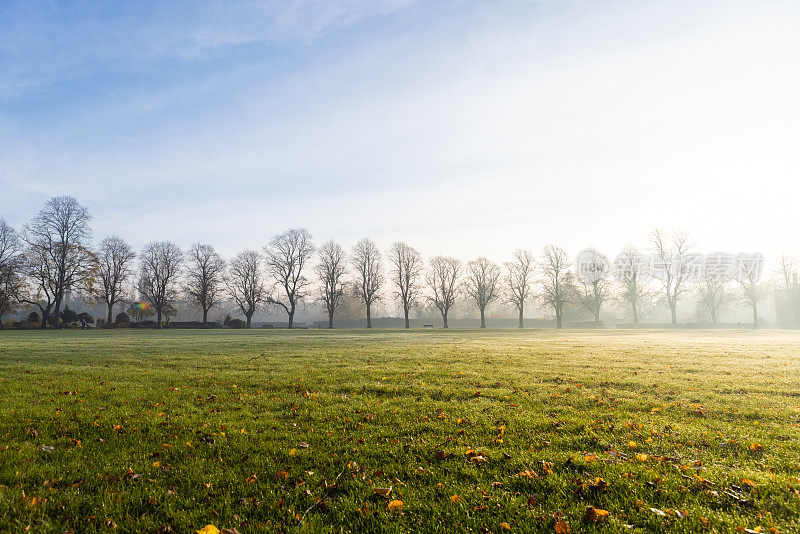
(52, 257)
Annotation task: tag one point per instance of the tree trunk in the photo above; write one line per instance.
(755, 316)
(520, 318)
(330, 319)
(405, 310)
(369, 316)
(635, 315)
(158, 317)
(291, 317)
(249, 317)
(673, 314)
(205, 318)
(483, 318)
(110, 314)
(444, 319)
(558, 320)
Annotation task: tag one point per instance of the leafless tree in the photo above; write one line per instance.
(519, 280)
(406, 272)
(205, 270)
(443, 277)
(367, 263)
(12, 283)
(634, 290)
(788, 288)
(286, 257)
(713, 293)
(159, 272)
(245, 283)
(58, 256)
(482, 284)
(593, 295)
(330, 271)
(753, 292)
(595, 291)
(557, 282)
(115, 269)
(672, 257)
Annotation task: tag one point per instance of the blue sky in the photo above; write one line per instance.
(462, 127)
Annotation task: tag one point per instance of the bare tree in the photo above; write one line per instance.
(557, 283)
(595, 289)
(58, 256)
(115, 268)
(286, 257)
(788, 288)
(518, 281)
(204, 277)
(632, 281)
(481, 283)
(330, 271)
(753, 292)
(712, 293)
(12, 283)
(593, 295)
(443, 278)
(406, 272)
(673, 265)
(245, 283)
(366, 261)
(158, 278)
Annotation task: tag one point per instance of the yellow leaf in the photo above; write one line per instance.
(505, 526)
(456, 498)
(208, 529)
(632, 445)
(293, 452)
(641, 457)
(596, 514)
(155, 464)
(590, 457)
(395, 505)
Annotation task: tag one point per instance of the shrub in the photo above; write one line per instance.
(237, 323)
(33, 317)
(86, 318)
(122, 319)
(69, 316)
(101, 323)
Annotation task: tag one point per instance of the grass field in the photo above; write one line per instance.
(474, 431)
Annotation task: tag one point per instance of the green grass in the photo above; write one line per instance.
(188, 428)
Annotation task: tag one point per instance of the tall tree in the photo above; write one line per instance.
(518, 281)
(205, 270)
(673, 264)
(58, 256)
(12, 283)
(330, 271)
(753, 292)
(443, 277)
(557, 283)
(115, 269)
(159, 273)
(481, 283)
(286, 257)
(367, 263)
(712, 293)
(406, 272)
(630, 275)
(245, 283)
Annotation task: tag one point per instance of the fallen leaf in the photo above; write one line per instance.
(395, 505)
(383, 492)
(208, 529)
(596, 514)
(562, 527)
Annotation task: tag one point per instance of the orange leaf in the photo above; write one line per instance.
(395, 505)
